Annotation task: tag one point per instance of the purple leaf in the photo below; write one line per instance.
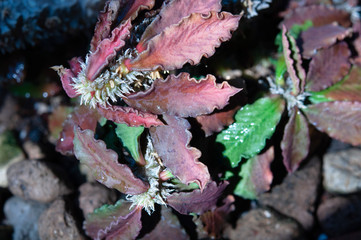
(349, 89)
(183, 96)
(168, 227)
(214, 221)
(296, 142)
(138, 5)
(318, 14)
(129, 116)
(328, 67)
(103, 26)
(66, 76)
(340, 120)
(315, 38)
(197, 201)
(172, 145)
(107, 50)
(293, 60)
(357, 43)
(174, 12)
(215, 122)
(103, 163)
(187, 41)
(82, 116)
(114, 222)
(75, 65)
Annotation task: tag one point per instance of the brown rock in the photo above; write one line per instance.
(265, 224)
(296, 196)
(340, 215)
(93, 195)
(56, 223)
(34, 180)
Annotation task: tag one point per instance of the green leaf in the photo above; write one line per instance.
(130, 139)
(281, 69)
(254, 123)
(256, 176)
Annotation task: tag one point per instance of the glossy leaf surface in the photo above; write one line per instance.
(103, 164)
(175, 11)
(187, 41)
(197, 201)
(328, 67)
(130, 139)
(129, 116)
(183, 96)
(114, 222)
(296, 141)
(254, 124)
(340, 120)
(171, 142)
(256, 176)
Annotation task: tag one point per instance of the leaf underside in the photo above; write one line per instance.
(183, 96)
(130, 139)
(340, 120)
(171, 142)
(296, 141)
(114, 222)
(254, 124)
(328, 67)
(256, 175)
(103, 163)
(186, 42)
(197, 201)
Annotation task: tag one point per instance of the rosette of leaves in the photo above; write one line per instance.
(325, 96)
(125, 80)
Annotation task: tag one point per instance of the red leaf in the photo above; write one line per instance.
(315, 38)
(114, 222)
(75, 65)
(103, 163)
(66, 76)
(129, 116)
(168, 227)
(194, 37)
(175, 11)
(318, 14)
(328, 67)
(340, 120)
(82, 116)
(171, 142)
(138, 5)
(197, 201)
(103, 26)
(349, 89)
(293, 60)
(215, 122)
(107, 50)
(296, 142)
(183, 96)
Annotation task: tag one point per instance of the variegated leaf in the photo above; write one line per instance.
(215, 122)
(103, 163)
(328, 67)
(185, 42)
(315, 38)
(296, 141)
(82, 116)
(103, 26)
(174, 12)
(114, 222)
(293, 61)
(107, 50)
(183, 96)
(318, 14)
(129, 116)
(256, 176)
(340, 120)
(171, 142)
(197, 201)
